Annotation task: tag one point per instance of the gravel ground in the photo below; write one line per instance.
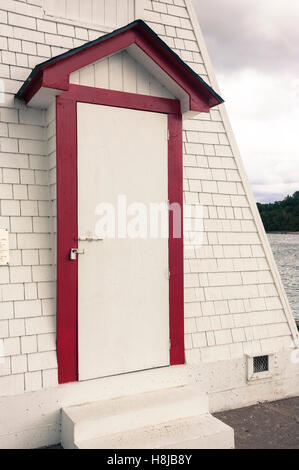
(265, 426)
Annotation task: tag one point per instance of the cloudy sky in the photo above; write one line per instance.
(254, 47)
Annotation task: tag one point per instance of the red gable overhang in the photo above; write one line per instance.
(55, 73)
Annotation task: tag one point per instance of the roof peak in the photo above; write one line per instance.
(138, 28)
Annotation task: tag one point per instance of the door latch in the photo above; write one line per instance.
(74, 253)
(90, 239)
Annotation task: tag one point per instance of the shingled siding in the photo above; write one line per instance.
(232, 305)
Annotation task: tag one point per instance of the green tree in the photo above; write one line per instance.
(281, 215)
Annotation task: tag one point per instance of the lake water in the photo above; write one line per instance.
(285, 248)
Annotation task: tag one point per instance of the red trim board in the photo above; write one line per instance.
(67, 219)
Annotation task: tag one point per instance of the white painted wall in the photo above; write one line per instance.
(110, 14)
(234, 300)
(122, 73)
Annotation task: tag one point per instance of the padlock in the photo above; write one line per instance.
(74, 253)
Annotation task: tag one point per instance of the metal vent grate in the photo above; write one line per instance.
(260, 364)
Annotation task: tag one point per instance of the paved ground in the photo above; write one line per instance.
(266, 426)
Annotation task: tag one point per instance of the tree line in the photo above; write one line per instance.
(281, 215)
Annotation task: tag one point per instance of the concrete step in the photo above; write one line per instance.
(150, 413)
(199, 432)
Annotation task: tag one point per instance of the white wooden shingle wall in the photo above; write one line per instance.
(27, 324)
(27, 198)
(232, 303)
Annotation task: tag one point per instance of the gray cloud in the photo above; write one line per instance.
(259, 34)
(253, 45)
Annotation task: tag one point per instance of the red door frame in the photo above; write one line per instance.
(67, 218)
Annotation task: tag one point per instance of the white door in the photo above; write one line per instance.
(123, 286)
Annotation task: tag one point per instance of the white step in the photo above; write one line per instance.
(200, 432)
(151, 412)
